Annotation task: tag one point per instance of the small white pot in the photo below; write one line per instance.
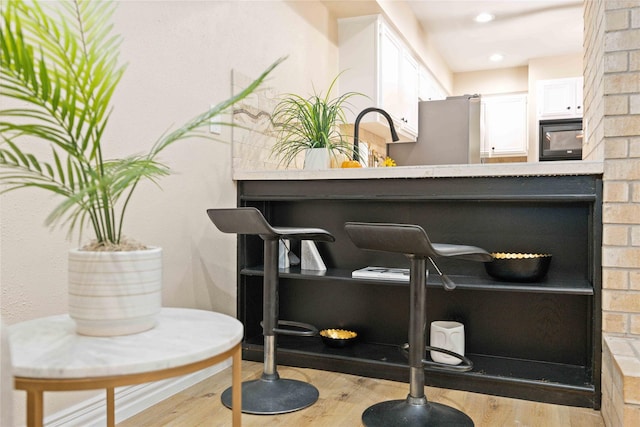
(317, 158)
(450, 336)
(115, 293)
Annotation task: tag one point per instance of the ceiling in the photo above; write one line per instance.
(521, 30)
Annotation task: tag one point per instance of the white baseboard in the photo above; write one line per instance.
(129, 401)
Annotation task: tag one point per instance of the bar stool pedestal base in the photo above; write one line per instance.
(271, 397)
(398, 413)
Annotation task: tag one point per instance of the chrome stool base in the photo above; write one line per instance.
(398, 413)
(272, 397)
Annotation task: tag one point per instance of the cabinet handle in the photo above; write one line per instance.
(579, 107)
(568, 108)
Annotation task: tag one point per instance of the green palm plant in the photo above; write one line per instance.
(60, 66)
(314, 122)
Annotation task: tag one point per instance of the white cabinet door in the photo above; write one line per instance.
(390, 77)
(559, 98)
(376, 63)
(579, 95)
(409, 93)
(504, 125)
(429, 89)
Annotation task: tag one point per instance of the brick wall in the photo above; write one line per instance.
(612, 124)
(620, 139)
(593, 147)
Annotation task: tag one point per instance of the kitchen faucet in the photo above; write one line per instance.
(356, 127)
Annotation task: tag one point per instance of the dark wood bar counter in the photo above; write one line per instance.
(539, 341)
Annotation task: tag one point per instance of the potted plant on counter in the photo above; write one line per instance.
(311, 126)
(59, 70)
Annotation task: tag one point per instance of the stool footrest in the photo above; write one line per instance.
(303, 329)
(465, 366)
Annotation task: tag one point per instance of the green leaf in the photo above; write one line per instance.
(34, 162)
(59, 168)
(60, 63)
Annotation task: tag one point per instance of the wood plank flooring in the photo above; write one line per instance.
(343, 398)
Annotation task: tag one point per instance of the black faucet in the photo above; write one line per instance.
(356, 127)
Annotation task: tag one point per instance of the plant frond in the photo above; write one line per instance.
(60, 64)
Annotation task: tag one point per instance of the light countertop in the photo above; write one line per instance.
(555, 168)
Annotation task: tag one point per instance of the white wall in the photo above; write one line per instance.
(180, 57)
(491, 82)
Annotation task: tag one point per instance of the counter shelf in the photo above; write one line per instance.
(540, 381)
(538, 341)
(471, 283)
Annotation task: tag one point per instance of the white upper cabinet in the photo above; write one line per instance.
(375, 62)
(429, 88)
(504, 125)
(409, 89)
(389, 56)
(559, 98)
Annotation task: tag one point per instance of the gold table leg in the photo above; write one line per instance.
(35, 413)
(236, 383)
(111, 407)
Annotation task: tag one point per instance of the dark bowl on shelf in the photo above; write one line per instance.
(518, 267)
(338, 337)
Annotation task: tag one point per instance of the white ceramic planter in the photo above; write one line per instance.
(450, 336)
(115, 293)
(317, 159)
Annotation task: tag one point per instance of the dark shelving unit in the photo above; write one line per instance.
(538, 341)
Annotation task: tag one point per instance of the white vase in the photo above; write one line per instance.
(450, 336)
(317, 158)
(115, 293)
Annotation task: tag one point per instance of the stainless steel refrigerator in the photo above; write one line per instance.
(448, 133)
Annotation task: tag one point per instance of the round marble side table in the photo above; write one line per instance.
(48, 355)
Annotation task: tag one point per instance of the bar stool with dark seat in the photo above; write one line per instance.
(270, 394)
(413, 242)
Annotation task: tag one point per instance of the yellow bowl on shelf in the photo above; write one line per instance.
(337, 337)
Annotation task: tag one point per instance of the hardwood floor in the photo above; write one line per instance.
(343, 398)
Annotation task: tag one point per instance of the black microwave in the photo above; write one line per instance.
(561, 139)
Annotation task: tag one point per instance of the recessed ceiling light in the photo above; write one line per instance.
(484, 17)
(496, 57)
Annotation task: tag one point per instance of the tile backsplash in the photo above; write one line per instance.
(252, 134)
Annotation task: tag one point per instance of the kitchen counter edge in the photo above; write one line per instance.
(557, 168)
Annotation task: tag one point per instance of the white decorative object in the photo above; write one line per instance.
(310, 257)
(283, 253)
(450, 336)
(317, 159)
(115, 293)
(382, 273)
